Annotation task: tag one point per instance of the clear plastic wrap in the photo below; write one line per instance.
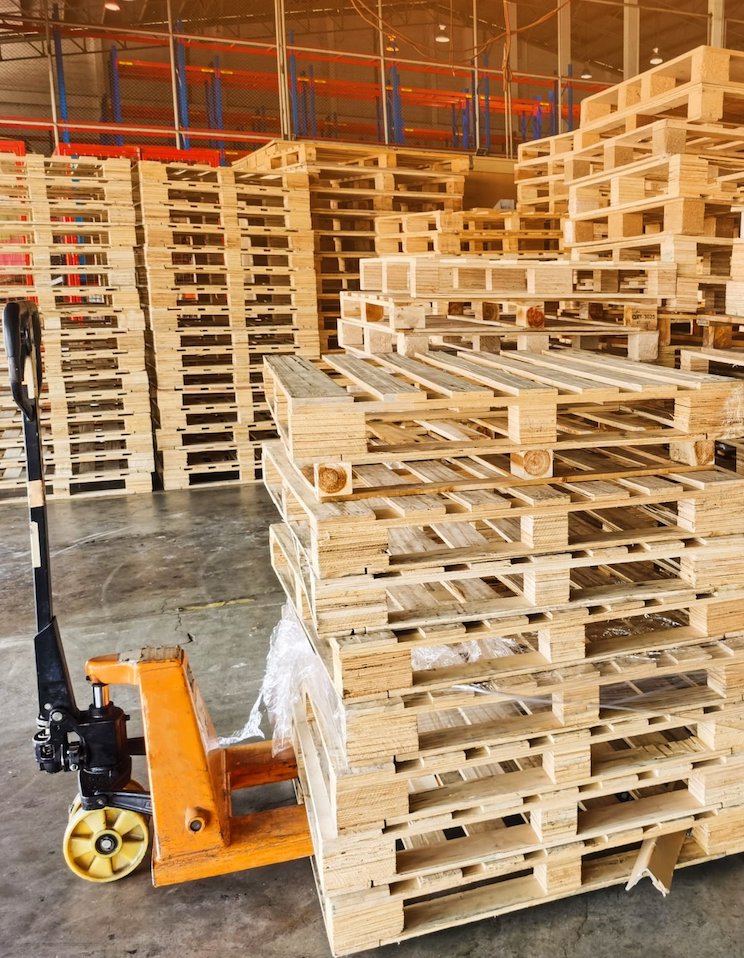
(440, 656)
(293, 671)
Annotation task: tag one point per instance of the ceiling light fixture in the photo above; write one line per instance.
(586, 73)
(111, 5)
(442, 37)
(657, 58)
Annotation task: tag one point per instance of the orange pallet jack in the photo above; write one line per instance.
(188, 807)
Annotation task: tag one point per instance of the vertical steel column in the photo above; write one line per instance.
(715, 23)
(570, 97)
(631, 39)
(182, 87)
(383, 75)
(304, 125)
(294, 92)
(311, 105)
(174, 81)
(285, 126)
(476, 82)
(60, 69)
(486, 106)
(217, 105)
(397, 106)
(513, 64)
(564, 58)
(50, 72)
(209, 106)
(115, 92)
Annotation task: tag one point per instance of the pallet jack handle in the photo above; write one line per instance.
(93, 741)
(22, 333)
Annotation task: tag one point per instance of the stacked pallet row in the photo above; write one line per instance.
(79, 241)
(540, 175)
(275, 296)
(17, 238)
(651, 174)
(515, 574)
(94, 330)
(408, 303)
(350, 186)
(511, 233)
(191, 280)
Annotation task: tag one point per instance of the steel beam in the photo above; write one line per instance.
(564, 59)
(631, 39)
(715, 23)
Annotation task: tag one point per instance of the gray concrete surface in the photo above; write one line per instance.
(136, 570)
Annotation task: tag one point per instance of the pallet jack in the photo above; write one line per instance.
(188, 803)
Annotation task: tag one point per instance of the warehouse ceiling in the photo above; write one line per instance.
(596, 33)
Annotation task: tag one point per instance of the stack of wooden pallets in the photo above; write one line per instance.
(652, 173)
(540, 175)
(409, 302)
(350, 186)
(191, 279)
(517, 576)
(78, 234)
(17, 236)
(275, 284)
(511, 233)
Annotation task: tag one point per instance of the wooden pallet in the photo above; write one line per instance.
(522, 395)
(705, 85)
(508, 232)
(423, 277)
(477, 866)
(484, 514)
(371, 324)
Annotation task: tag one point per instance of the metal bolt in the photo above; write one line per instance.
(106, 844)
(195, 825)
(56, 716)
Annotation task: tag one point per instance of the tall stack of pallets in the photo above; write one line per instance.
(652, 174)
(275, 284)
(510, 233)
(540, 175)
(516, 573)
(190, 277)
(78, 234)
(350, 186)
(17, 237)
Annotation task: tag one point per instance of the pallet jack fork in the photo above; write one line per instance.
(188, 806)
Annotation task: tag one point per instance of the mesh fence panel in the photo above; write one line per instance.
(437, 107)
(25, 97)
(336, 100)
(233, 91)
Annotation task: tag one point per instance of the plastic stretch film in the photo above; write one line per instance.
(293, 672)
(439, 656)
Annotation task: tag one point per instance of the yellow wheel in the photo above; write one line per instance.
(105, 844)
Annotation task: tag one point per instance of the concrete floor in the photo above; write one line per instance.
(137, 570)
